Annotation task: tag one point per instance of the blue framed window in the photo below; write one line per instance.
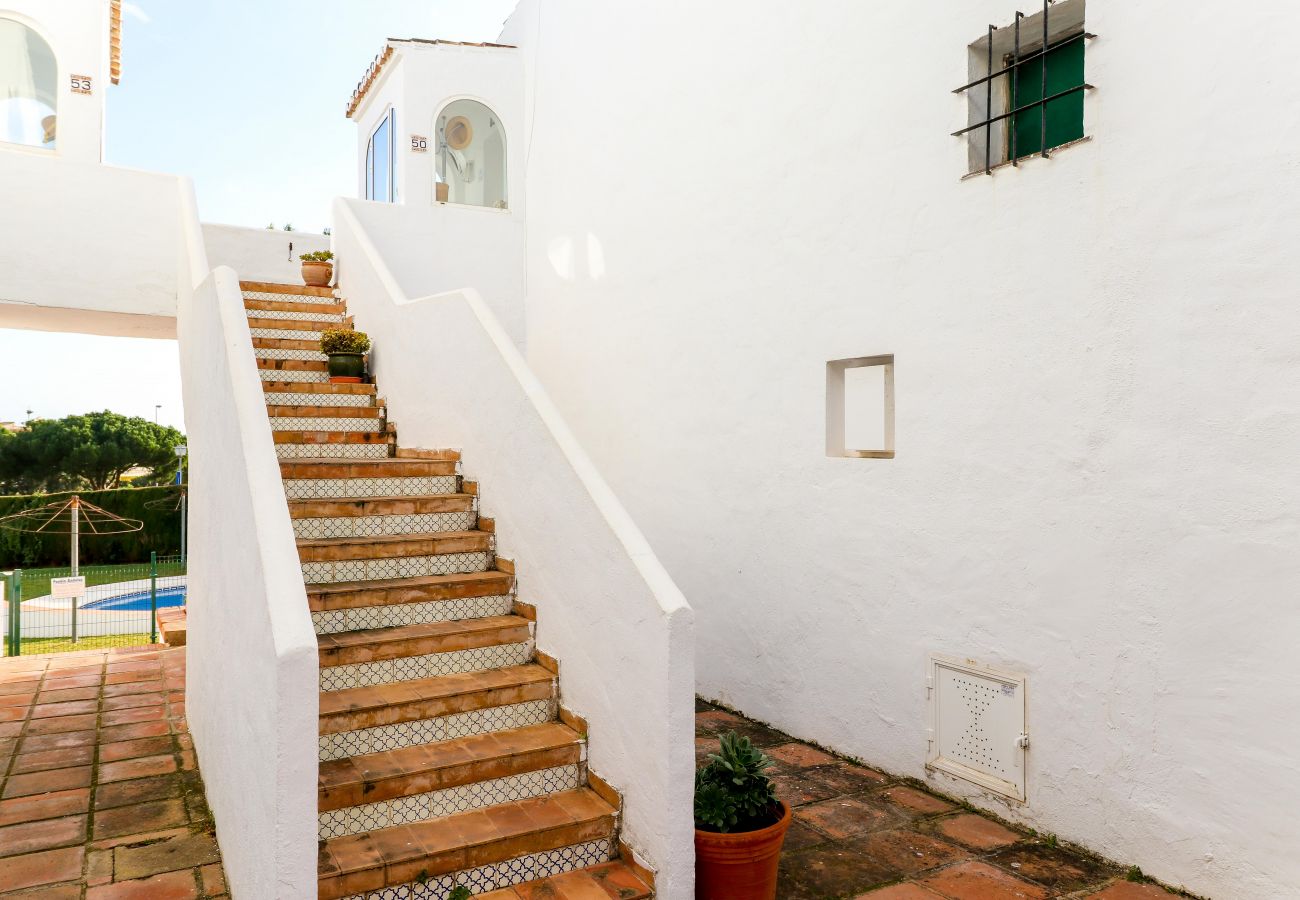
(380, 160)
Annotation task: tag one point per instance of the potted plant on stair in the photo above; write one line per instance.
(347, 355)
(317, 268)
(739, 824)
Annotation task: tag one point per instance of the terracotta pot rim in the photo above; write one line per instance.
(316, 262)
(739, 837)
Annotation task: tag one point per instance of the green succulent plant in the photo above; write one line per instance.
(337, 341)
(733, 792)
(317, 256)
(459, 892)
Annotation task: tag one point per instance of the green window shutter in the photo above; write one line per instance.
(1064, 115)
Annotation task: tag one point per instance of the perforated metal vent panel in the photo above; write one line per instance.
(977, 721)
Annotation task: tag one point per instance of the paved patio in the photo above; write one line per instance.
(100, 796)
(860, 833)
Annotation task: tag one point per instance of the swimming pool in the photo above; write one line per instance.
(139, 600)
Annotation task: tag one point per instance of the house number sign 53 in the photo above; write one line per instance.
(419, 143)
(81, 84)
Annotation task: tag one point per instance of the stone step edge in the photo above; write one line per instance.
(385, 644)
(616, 878)
(571, 818)
(383, 775)
(300, 290)
(400, 591)
(431, 698)
(367, 506)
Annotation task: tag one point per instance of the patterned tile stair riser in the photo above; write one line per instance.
(426, 657)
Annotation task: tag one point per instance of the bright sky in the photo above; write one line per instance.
(246, 98)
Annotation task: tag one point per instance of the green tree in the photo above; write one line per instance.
(86, 451)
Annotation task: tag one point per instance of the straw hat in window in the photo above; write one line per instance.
(458, 133)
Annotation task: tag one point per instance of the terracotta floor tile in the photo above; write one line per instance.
(18, 698)
(61, 724)
(48, 892)
(70, 708)
(133, 687)
(916, 801)
(137, 768)
(44, 806)
(845, 778)
(846, 816)
(213, 879)
(165, 856)
(62, 695)
(1055, 867)
(899, 892)
(41, 742)
(980, 881)
(46, 834)
(49, 867)
(134, 701)
(142, 790)
(131, 716)
(118, 733)
(798, 791)
(170, 886)
(800, 755)
(715, 722)
(45, 782)
(831, 870)
(907, 851)
(151, 746)
(139, 818)
(52, 759)
(977, 832)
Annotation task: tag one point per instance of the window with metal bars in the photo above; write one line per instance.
(1026, 88)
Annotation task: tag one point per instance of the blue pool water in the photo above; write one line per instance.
(168, 596)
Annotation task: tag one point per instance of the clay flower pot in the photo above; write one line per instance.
(317, 274)
(741, 865)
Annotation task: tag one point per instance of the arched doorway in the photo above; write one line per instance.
(29, 76)
(471, 157)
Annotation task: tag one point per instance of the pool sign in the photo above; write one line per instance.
(68, 587)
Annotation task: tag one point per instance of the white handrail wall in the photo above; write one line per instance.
(607, 609)
(251, 658)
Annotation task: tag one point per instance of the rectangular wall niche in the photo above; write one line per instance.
(977, 725)
(860, 407)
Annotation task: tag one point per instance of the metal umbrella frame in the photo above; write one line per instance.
(70, 517)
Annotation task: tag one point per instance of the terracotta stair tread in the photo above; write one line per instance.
(390, 467)
(335, 308)
(316, 387)
(608, 881)
(398, 855)
(326, 412)
(382, 539)
(371, 777)
(301, 290)
(293, 365)
(396, 505)
(378, 644)
(298, 324)
(266, 343)
(401, 701)
(389, 591)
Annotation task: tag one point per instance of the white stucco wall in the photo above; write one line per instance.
(77, 31)
(607, 609)
(261, 254)
(453, 247)
(1095, 375)
(251, 660)
(86, 247)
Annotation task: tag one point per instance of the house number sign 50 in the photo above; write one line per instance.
(419, 143)
(81, 84)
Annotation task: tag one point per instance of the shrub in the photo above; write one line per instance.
(162, 529)
(317, 256)
(333, 341)
(732, 793)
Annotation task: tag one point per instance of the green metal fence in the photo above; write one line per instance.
(117, 608)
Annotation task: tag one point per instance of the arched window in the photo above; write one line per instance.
(29, 79)
(471, 157)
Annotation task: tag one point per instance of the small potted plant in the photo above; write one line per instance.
(739, 824)
(347, 355)
(317, 268)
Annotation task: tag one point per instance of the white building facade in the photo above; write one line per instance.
(900, 416)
